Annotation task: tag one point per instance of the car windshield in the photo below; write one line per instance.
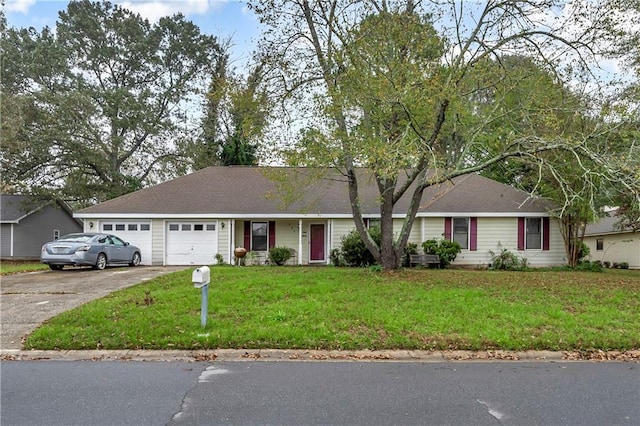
(76, 237)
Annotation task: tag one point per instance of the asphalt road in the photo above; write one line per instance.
(330, 393)
(28, 299)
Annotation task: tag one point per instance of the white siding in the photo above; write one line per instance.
(223, 240)
(157, 241)
(616, 248)
(495, 234)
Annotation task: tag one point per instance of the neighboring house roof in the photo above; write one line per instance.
(14, 208)
(606, 225)
(238, 191)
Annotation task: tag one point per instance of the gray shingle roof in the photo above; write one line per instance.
(605, 225)
(15, 207)
(239, 190)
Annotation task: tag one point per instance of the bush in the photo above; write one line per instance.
(624, 265)
(606, 264)
(336, 257)
(353, 250)
(445, 249)
(589, 266)
(411, 248)
(505, 260)
(279, 255)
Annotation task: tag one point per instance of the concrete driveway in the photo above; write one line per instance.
(28, 299)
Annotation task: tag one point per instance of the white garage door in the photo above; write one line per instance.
(136, 233)
(192, 243)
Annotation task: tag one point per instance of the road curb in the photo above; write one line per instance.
(315, 355)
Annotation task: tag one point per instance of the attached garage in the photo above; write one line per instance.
(137, 233)
(191, 243)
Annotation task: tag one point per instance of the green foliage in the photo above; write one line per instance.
(353, 250)
(411, 248)
(236, 115)
(220, 259)
(589, 266)
(505, 260)
(98, 103)
(279, 255)
(445, 249)
(336, 257)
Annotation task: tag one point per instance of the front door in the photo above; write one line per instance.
(317, 243)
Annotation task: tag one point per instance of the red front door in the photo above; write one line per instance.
(317, 243)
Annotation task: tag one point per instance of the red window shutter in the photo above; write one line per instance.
(447, 228)
(473, 230)
(247, 234)
(521, 233)
(272, 233)
(545, 233)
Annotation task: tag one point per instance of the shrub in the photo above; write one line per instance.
(505, 260)
(411, 248)
(589, 266)
(445, 249)
(583, 252)
(336, 257)
(624, 265)
(219, 259)
(606, 264)
(279, 255)
(354, 251)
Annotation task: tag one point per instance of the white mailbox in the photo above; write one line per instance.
(201, 277)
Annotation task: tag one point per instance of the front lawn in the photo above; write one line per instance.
(336, 308)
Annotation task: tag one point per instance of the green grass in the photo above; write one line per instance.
(8, 267)
(335, 308)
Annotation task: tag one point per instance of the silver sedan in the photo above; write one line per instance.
(89, 249)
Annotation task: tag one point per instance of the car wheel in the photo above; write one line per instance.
(101, 262)
(56, 267)
(136, 259)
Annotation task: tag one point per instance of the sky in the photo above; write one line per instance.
(225, 19)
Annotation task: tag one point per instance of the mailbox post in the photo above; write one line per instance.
(201, 278)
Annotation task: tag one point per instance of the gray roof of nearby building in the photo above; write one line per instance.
(605, 225)
(241, 190)
(14, 208)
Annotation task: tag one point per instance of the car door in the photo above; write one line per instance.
(119, 251)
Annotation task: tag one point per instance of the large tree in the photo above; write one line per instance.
(236, 112)
(103, 102)
(398, 89)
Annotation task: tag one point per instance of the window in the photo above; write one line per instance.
(461, 231)
(198, 227)
(116, 241)
(145, 227)
(56, 234)
(174, 227)
(373, 223)
(533, 236)
(132, 227)
(259, 236)
(119, 226)
(107, 227)
(599, 244)
(211, 227)
(186, 227)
